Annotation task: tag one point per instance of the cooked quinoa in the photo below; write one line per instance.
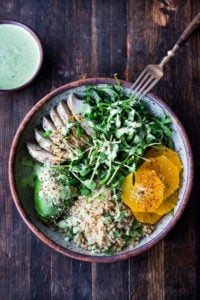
(103, 225)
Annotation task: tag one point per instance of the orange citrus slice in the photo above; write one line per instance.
(149, 218)
(146, 195)
(164, 208)
(167, 205)
(169, 153)
(154, 192)
(166, 171)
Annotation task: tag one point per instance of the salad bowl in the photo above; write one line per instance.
(24, 197)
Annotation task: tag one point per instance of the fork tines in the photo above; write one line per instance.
(146, 81)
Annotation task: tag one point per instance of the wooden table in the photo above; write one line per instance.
(97, 38)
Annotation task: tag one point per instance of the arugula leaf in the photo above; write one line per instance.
(91, 185)
(109, 251)
(84, 190)
(46, 133)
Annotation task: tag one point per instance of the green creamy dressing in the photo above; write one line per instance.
(19, 56)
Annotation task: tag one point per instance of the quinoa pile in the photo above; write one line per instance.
(103, 225)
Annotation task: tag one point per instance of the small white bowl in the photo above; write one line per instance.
(20, 58)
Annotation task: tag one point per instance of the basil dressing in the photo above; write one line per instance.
(19, 56)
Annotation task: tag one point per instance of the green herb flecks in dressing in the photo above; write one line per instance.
(19, 56)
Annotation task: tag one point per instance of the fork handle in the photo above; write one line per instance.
(193, 25)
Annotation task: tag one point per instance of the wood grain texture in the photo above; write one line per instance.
(111, 281)
(86, 38)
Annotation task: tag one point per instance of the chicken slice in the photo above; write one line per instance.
(76, 106)
(42, 155)
(44, 142)
(67, 117)
(48, 125)
(57, 121)
(47, 144)
(63, 111)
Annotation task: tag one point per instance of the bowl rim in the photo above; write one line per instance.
(41, 55)
(71, 253)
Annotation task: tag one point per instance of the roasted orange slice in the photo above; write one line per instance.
(154, 192)
(169, 153)
(166, 171)
(167, 205)
(146, 195)
(149, 218)
(163, 209)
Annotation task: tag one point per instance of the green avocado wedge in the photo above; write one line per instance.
(53, 193)
(44, 206)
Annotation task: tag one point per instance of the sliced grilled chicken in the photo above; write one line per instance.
(42, 155)
(56, 147)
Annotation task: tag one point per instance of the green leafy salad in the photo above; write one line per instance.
(70, 194)
(122, 130)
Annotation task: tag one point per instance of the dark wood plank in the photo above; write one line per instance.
(7, 238)
(118, 33)
(40, 271)
(110, 281)
(108, 38)
(15, 236)
(181, 256)
(156, 272)
(61, 277)
(81, 280)
(138, 282)
(193, 120)
(71, 41)
(101, 38)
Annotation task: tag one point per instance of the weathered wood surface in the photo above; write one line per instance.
(87, 38)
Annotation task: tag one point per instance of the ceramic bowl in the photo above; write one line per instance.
(23, 198)
(22, 56)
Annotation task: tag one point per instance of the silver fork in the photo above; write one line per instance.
(153, 73)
